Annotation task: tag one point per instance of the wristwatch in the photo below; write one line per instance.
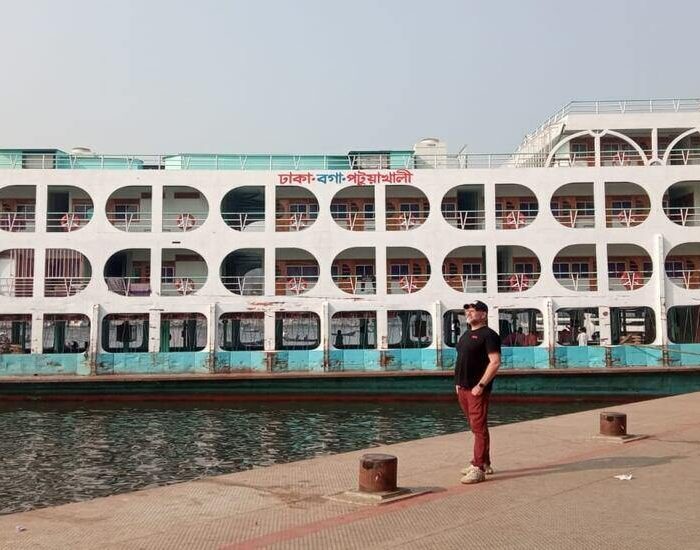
(482, 385)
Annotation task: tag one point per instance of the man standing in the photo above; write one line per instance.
(478, 359)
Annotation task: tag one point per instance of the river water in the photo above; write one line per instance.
(53, 454)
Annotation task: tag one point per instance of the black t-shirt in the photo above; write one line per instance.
(473, 350)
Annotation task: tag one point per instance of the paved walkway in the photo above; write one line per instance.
(554, 488)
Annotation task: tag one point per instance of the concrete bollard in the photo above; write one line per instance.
(378, 473)
(613, 424)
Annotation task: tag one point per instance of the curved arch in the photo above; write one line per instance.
(675, 142)
(563, 142)
(628, 140)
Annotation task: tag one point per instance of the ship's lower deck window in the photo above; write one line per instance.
(684, 324)
(520, 327)
(15, 333)
(242, 331)
(297, 331)
(125, 333)
(354, 330)
(573, 323)
(454, 324)
(183, 332)
(632, 325)
(409, 329)
(66, 333)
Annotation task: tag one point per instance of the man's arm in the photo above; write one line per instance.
(490, 373)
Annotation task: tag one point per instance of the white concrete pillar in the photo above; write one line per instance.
(550, 329)
(382, 329)
(660, 287)
(380, 207)
(39, 281)
(325, 330)
(270, 251)
(154, 331)
(491, 270)
(40, 209)
(604, 326)
(269, 325)
(437, 329)
(599, 203)
(37, 341)
(654, 144)
(156, 268)
(601, 258)
(596, 148)
(381, 270)
(157, 208)
(95, 344)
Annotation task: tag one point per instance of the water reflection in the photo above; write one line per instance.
(57, 454)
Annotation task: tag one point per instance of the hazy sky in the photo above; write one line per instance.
(325, 76)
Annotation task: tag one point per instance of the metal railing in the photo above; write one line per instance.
(580, 281)
(403, 221)
(625, 217)
(465, 219)
(406, 284)
(687, 216)
(516, 282)
(183, 221)
(623, 158)
(356, 284)
(514, 219)
(685, 278)
(62, 287)
(66, 221)
(244, 285)
(131, 222)
(181, 285)
(572, 159)
(245, 221)
(128, 286)
(354, 221)
(462, 282)
(17, 222)
(294, 285)
(628, 280)
(575, 217)
(684, 157)
(294, 221)
(17, 287)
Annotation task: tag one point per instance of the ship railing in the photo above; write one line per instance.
(17, 222)
(356, 284)
(67, 221)
(293, 285)
(131, 222)
(575, 217)
(580, 281)
(514, 219)
(294, 221)
(403, 221)
(406, 284)
(466, 282)
(631, 106)
(626, 157)
(354, 221)
(244, 285)
(688, 279)
(625, 217)
(465, 219)
(687, 216)
(628, 280)
(181, 285)
(129, 286)
(62, 287)
(517, 282)
(17, 287)
(245, 221)
(684, 157)
(573, 159)
(179, 222)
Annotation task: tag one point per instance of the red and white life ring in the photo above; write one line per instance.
(407, 285)
(515, 219)
(70, 221)
(519, 281)
(186, 221)
(631, 280)
(296, 285)
(184, 285)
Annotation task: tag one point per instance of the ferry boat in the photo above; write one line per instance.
(353, 268)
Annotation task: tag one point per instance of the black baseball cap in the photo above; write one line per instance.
(477, 305)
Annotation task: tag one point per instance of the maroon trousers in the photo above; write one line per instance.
(476, 409)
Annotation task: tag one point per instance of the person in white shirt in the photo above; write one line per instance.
(582, 337)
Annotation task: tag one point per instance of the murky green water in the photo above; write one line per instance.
(65, 453)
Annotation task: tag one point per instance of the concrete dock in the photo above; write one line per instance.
(554, 487)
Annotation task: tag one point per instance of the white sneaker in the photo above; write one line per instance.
(488, 470)
(475, 475)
